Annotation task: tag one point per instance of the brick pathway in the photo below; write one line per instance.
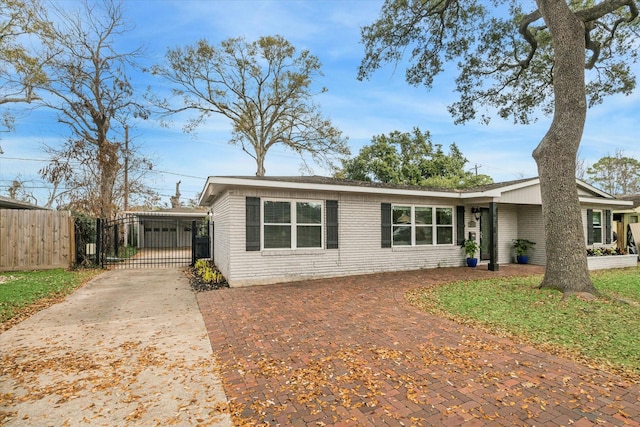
(351, 351)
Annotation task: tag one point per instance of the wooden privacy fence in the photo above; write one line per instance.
(36, 239)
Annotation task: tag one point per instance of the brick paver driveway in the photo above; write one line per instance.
(351, 351)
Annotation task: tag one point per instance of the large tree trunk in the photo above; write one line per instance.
(566, 268)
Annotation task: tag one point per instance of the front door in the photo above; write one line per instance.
(485, 229)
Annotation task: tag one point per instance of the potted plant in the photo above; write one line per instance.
(470, 248)
(522, 247)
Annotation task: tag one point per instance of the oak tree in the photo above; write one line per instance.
(265, 88)
(618, 174)
(410, 158)
(514, 63)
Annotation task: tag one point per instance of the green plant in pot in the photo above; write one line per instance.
(522, 246)
(470, 249)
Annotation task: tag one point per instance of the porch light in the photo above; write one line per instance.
(476, 213)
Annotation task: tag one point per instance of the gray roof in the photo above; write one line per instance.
(635, 198)
(316, 179)
(9, 203)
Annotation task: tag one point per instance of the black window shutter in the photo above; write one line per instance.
(460, 225)
(607, 226)
(385, 213)
(253, 223)
(331, 225)
(589, 226)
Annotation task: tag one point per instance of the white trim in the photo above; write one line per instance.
(434, 226)
(293, 224)
(608, 202)
(594, 189)
(217, 184)
(220, 183)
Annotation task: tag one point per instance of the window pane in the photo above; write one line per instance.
(401, 236)
(424, 235)
(308, 213)
(597, 220)
(277, 236)
(401, 215)
(444, 216)
(309, 236)
(445, 235)
(424, 216)
(277, 212)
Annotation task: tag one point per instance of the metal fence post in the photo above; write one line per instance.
(99, 242)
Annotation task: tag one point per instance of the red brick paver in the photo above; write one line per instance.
(351, 351)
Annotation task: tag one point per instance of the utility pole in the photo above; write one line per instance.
(126, 168)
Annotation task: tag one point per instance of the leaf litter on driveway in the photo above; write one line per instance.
(317, 354)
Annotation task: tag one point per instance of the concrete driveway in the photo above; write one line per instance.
(352, 352)
(129, 348)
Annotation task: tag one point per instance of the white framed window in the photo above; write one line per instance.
(596, 224)
(421, 225)
(292, 224)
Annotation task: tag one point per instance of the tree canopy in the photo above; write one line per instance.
(618, 174)
(265, 88)
(517, 63)
(411, 159)
(504, 53)
(20, 70)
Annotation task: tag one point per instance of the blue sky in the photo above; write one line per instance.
(330, 29)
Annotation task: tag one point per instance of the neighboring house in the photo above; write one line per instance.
(164, 228)
(628, 234)
(277, 229)
(9, 203)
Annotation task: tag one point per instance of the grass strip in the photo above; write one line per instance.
(23, 291)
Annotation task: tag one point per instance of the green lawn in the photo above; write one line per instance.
(21, 290)
(605, 331)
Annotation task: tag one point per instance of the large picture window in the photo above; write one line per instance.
(421, 225)
(292, 224)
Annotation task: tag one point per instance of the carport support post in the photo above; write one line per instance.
(493, 237)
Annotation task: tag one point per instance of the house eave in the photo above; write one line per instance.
(216, 185)
(606, 202)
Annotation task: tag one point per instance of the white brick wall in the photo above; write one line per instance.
(531, 227)
(359, 250)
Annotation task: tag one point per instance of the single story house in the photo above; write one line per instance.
(278, 229)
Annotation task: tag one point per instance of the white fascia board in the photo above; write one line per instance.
(497, 192)
(593, 189)
(493, 194)
(224, 182)
(608, 202)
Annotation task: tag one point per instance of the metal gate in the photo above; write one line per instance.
(151, 241)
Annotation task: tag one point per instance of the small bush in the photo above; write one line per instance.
(206, 276)
(604, 251)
